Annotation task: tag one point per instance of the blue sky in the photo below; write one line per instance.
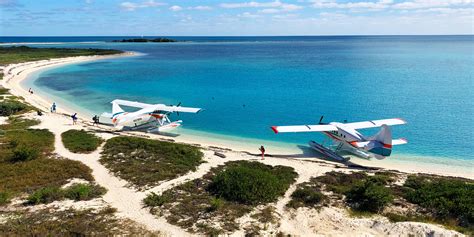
(233, 17)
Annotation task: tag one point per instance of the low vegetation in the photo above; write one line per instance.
(144, 40)
(17, 122)
(146, 162)
(27, 163)
(80, 141)
(307, 195)
(77, 192)
(20, 54)
(422, 198)
(10, 107)
(252, 183)
(4, 198)
(369, 195)
(70, 222)
(217, 198)
(449, 200)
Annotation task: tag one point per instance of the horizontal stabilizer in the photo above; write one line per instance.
(376, 123)
(106, 115)
(304, 128)
(399, 141)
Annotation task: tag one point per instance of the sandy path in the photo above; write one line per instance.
(127, 201)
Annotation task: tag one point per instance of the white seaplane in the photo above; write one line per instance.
(153, 117)
(347, 138)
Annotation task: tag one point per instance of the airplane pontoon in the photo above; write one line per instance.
(153, 117)
(347, 138)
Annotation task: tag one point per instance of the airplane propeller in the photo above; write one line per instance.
(321, 120)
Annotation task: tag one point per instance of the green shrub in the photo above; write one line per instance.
(369, 195)
(340, 183)
(306, 196)
(24, 153)
(46, 195)
(10, 107)
(3, 91)
(216, 204)
(80, 192)
(4, 198)
(155, 200)
(252, 183)
(446, 198)
(80, 141)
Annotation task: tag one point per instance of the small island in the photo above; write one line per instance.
(144, 40)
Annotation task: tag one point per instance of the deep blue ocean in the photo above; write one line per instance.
(247, 84)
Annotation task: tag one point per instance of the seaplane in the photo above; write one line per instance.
(345, 137)
(153, 117)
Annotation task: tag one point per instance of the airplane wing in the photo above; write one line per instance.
(131, 103)
(376, 123)
(149, 108)
(161, 107)
(304, 128)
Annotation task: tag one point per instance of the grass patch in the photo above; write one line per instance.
(28, 144)
(45, 195)
(81, 192)
(77, 192)
(19, 54)
(29, 176)
(193, 204)
(4, 198)
(89, 222)
(145, 162)
(80, 141)
(17, 122)
(3, 91)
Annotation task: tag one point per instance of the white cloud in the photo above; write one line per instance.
(251, 4)
(132, 6)
(201, 8)
(269, 7)
(417, 4)
(176, 8)
(248, 15)
(381, 4)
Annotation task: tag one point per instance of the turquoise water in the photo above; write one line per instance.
(246, 85)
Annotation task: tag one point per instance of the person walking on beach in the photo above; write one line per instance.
(74, 118)
(96, 120)
(53, 107)
(262, 150)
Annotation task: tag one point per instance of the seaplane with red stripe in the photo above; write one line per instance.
(346, 137)
(153, 117)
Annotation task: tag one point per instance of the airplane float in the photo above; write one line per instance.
(347, 138)
(154, 117)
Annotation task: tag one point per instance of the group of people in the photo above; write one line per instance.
(74, 116)
(30, 91)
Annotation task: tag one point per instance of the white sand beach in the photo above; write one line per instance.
(330, 221)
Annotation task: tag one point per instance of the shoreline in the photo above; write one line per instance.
(15, 74)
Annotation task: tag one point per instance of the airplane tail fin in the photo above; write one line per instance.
(116, 108)
(381, 143)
